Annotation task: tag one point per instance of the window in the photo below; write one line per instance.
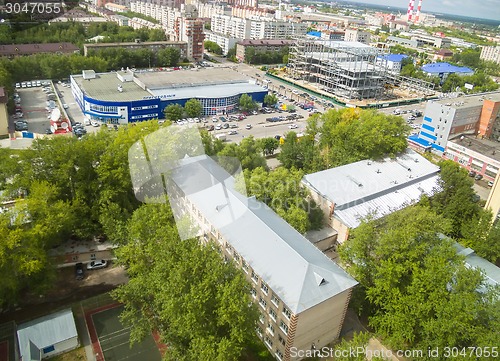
(261, 318)
(275, 300)
(254, 292)
(264, 288)
(270, 328)
(287, 312)
(262, 303)
(92, 256)
(236, 257)
(259, 331)
(281, 340)
(273, 314)
(244, 265)
(284, 327)
(279, 354)
(255, 278)
(268, 342)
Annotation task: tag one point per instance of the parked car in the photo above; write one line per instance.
(490, 184)
(97, 264)
(248, 126)
(225, 126)
(210, 128)
(472, 173)
(293, 126)
(21, 125)
(478, 177)
(79, 274)
(233, 132)
(65, 106)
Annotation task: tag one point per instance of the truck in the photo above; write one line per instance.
(221, 137)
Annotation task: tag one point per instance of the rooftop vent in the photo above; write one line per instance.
(319, 280)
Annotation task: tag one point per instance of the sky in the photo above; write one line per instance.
(487, 9)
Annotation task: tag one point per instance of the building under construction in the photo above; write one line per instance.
(345, 69)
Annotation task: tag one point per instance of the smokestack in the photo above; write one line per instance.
(418, 11)
(409, 13)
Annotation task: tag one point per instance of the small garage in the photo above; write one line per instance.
(47, 336)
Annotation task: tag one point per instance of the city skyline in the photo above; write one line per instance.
(470, 8)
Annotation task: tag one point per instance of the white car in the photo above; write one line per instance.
(101, 263)
(248, 126)
(293, 126)
(94, 123)
(65, 106)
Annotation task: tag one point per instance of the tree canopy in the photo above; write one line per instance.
(193, 108)
(420, 293)
(247, 104)
(200, 306)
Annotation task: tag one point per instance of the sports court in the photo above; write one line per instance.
(111, 339)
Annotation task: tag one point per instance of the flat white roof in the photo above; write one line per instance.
(208, 91)
(375, 188)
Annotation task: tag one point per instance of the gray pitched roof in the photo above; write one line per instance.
(375, 187)
(45, 331)
(491, 271)
(300, 274)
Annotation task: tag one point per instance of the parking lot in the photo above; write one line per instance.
(33, 103)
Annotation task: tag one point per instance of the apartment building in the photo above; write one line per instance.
(356, 35)
(265, 29)
(302, 295)
(231, 26)
(225, 42)
(491, 53)
(191, 31)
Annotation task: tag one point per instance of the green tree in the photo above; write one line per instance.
(173, 112)
(420, 290)
(199, 304)
(456, 201)
(301, 153)
(193, 108)
(213, 47)
(247, 152)
(270, 100)
(268, 145)
(247, 104)
(350, 135)
(481, 235)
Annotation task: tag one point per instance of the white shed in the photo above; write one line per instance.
(47, 336)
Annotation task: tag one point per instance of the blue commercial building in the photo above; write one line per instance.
(442, 70)
(123, 97)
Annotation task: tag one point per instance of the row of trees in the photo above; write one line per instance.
(117, 58)
(213, 47)
(75, 33)
(253, 56)
(53, 66)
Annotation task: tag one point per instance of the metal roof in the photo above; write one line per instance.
(46, 331)
(375, 187)
(208, 91)
(396, 58)
(299, 273)
(436, 68)
(491, 271)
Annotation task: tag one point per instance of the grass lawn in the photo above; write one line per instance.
(75, 355)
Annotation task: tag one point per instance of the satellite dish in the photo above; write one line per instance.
(64, 125)
(55, 115)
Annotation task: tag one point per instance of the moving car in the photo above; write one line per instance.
(293, 126)
(248, 126)
(97, 264)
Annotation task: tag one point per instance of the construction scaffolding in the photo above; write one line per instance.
(345, 69)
